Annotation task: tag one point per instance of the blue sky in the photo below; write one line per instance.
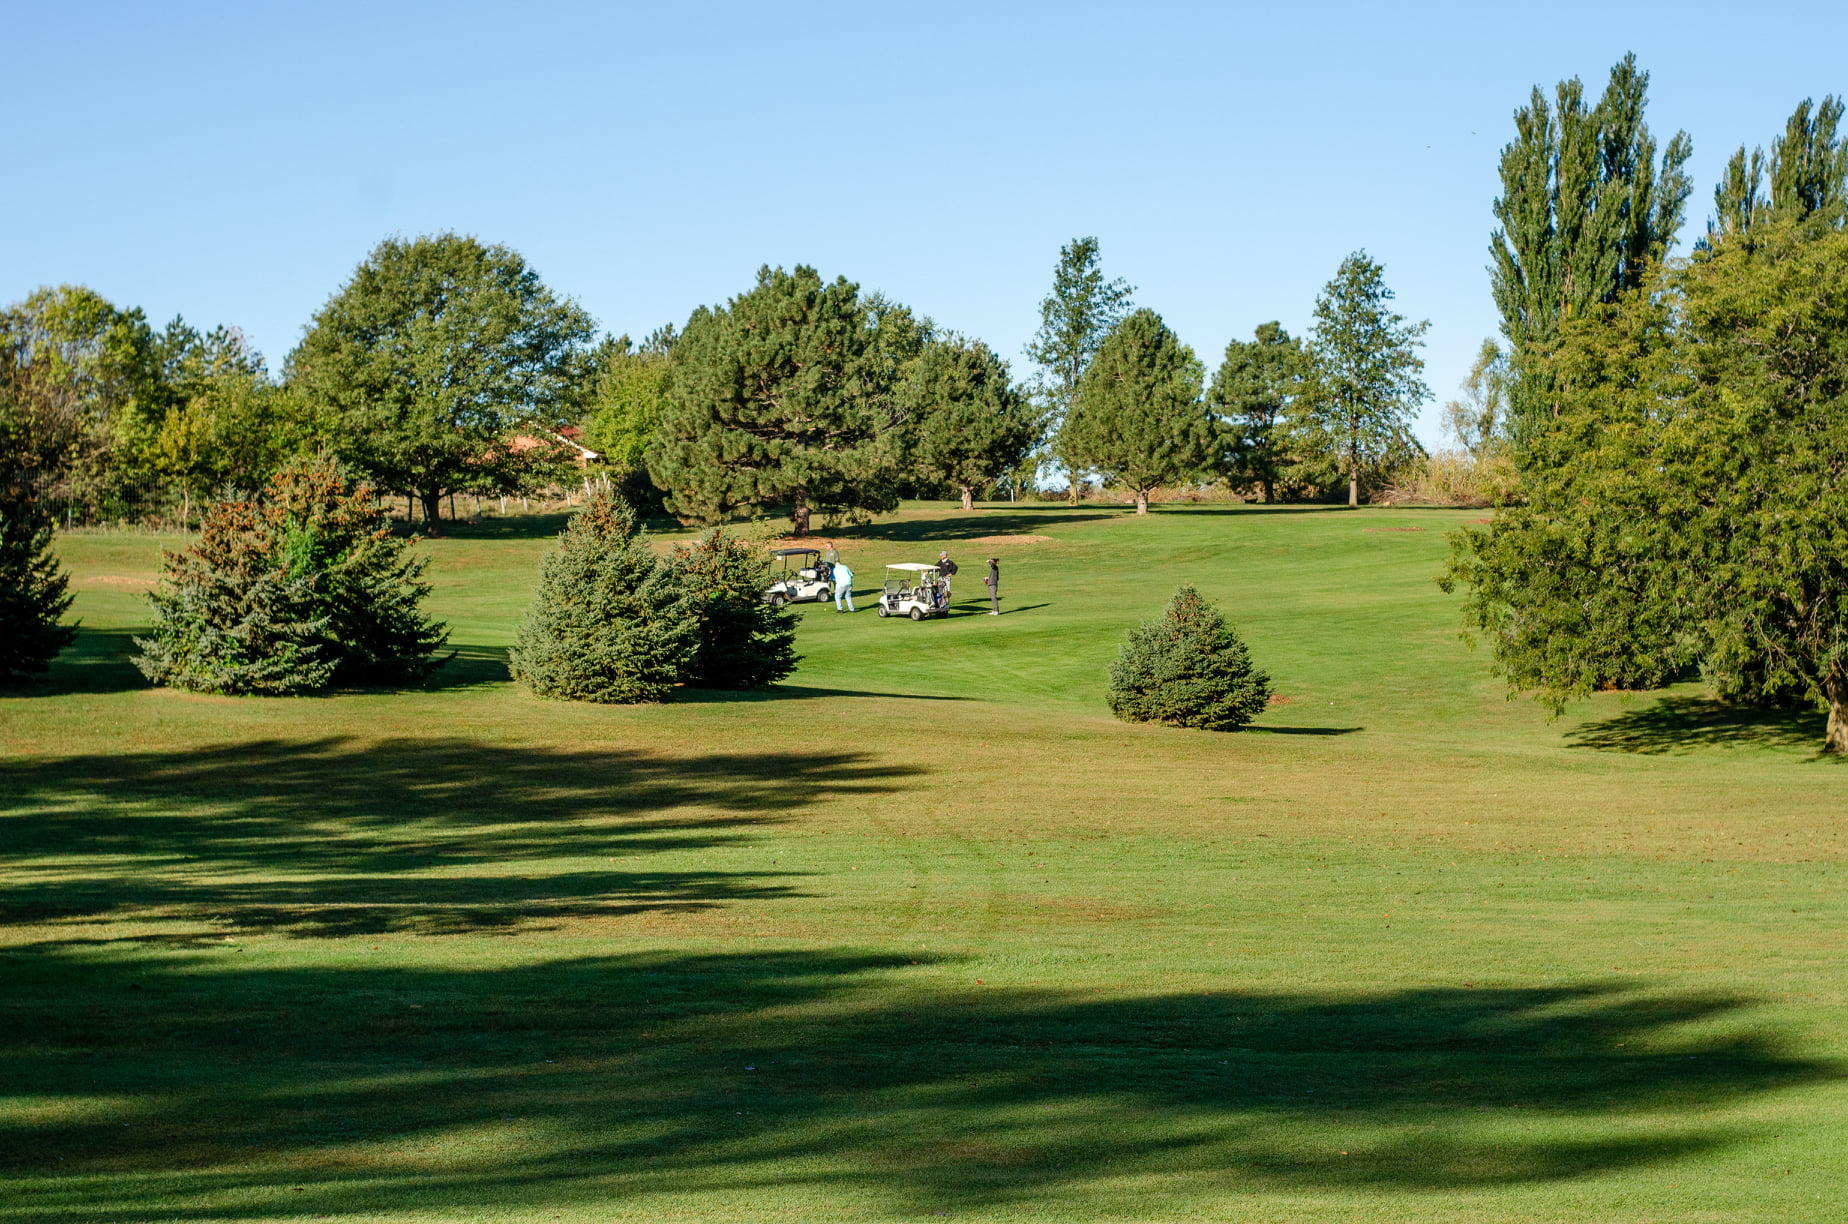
(233, 163)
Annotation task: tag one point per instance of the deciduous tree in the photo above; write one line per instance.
(1075, 317)
(437, 350)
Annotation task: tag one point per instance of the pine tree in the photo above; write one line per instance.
(1139, 418)
(608, 623)
(1253, 391)
(744, 643)
(301, 589)
(783, 396)
(33, 589)
(1188, 669)
(969, 425)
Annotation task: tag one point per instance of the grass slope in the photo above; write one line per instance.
(923, 932)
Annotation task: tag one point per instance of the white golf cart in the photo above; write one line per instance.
(913, 590)
(797, 574)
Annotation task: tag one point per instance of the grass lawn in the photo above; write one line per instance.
(924, 932)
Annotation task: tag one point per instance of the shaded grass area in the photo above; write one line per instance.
(349, 1086)
(1683, 723)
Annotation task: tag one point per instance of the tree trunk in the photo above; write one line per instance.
(1353, 472)
(1270, 491)
(1142, 501)
(800, 517)
(1835, 743)
(968, 493)
(432, 507)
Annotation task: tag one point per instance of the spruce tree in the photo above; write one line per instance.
(290, 593)
(1188, 669)
(744, 643)
(33, 589)
(608, 623)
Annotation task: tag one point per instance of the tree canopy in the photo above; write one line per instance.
(1139, 418)
(421, 367)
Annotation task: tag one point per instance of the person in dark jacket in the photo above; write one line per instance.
(994, 586)
(946, 568)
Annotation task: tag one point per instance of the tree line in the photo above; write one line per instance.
(1678, 425)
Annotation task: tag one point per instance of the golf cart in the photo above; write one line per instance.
(913, 590)
(797, 574)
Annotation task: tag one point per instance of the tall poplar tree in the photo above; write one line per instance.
(1807, 175)
(1075, 317)
(1367, 387)
(1585, 206)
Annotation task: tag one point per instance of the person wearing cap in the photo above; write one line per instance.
(947, 568)
(993, 582)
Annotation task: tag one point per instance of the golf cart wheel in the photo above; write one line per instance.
(777, 600)
(823, 595)
(917, 614)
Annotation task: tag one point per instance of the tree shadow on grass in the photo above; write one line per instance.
(1685, 724)
(210, 1085)
(1273, 730)
(98, 661)
(955, 525)
(338, 837)
(798, 692)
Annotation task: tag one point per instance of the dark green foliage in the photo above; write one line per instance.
(424, 364)
(1691, 505)
(1807, 171)
(1139, 418)
(304, 588)
(969, 425)
(744, 643)
(33, 589)
(1081, 310)
(1585, 207)
(784, 396)
(609, 623)
(1366, 385)
(1253, 393)
(1189, 669)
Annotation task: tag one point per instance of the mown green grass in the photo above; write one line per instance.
(923, 932)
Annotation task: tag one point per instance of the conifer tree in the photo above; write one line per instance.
(287, 594)
(609, 623)
(1188, 669)
(969, 425)
(1253, 391)
(783, 396)
(34, 591)
(744, 643)
(1139, 418)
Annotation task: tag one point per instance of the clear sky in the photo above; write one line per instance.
(233, 163)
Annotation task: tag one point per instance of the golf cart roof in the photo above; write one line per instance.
(911, 566)
(797, 552)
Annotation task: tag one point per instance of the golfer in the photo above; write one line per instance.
(843, 586)
(994, 586)
(947, 568)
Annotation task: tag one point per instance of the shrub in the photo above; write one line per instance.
(33, 590)
(1188, 670)
(743, 642)
(304, 588)
(608, 623)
